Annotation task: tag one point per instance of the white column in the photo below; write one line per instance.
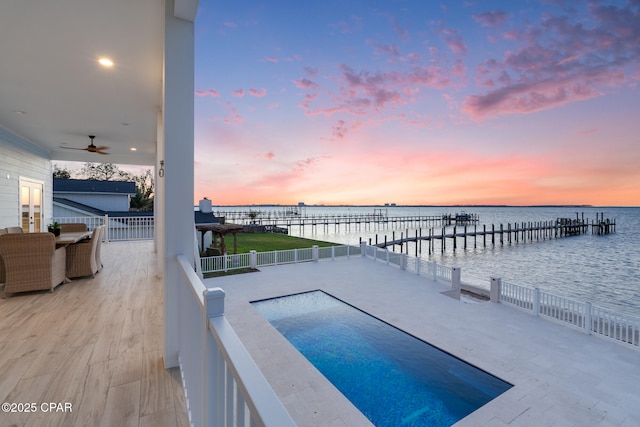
(178, 221)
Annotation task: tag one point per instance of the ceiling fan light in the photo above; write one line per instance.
(106, 62)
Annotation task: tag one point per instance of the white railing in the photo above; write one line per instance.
(118, 228)
(592, 319)
(223, 385)
(262, 259)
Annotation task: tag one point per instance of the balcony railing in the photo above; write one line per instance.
(118, 228)
(223, 385)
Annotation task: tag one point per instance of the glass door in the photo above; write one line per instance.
(31, 205)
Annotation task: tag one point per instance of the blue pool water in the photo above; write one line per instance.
(393, 378)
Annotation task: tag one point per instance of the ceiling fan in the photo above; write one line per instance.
(90, 148)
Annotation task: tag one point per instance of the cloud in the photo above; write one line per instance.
(238, 93)
(310, 71)
(560, 60)
(258, 92)
(491, 19)
(230, 24)
(341, 128)
(233, 118)
(531, 96)
(209, 92)
(305, 84)
(272, 59)
(268, 156)
(453, 39)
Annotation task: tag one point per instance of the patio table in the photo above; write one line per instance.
(65, 239)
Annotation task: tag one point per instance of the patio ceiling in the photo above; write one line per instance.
(53, 91)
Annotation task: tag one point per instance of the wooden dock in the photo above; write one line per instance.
(357, 221)
(509, 234)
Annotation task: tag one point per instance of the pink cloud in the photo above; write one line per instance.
(340, 130)
(560, 61)
(268, 156)
(210, 92)
(311, 72)
(258, 92)
(238, 92)
(305, 84)
(453, 39)
(491, 19)
(233, 118)
(272, 59)
(531, 96)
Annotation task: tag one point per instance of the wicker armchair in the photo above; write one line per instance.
(31, 262)
(73, 227)
(14, 230)
(99, 247)
(81, 257)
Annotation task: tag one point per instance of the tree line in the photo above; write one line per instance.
(143, 199)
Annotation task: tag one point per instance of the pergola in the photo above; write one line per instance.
(220, 230)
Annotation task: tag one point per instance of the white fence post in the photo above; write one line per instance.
(333, 253)
(434, 268)
(106, 229)
(253, 259)
(225, 257)
(536, 301)
(403, 261)
(295, 256)
(387, 254)
(455, 278)
(496, 289)
(587, 318)
(314, 253)
(213, 303)
(418, 263)
(363, 249)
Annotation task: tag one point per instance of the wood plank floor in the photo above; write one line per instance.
(94, 345)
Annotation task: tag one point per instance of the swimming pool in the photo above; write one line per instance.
(392, 377)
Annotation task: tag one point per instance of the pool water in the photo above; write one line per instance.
(393, 378)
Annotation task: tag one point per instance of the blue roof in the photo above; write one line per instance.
(93, 186)
(99, 212)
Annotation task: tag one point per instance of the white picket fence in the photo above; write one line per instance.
(592, 319)
(262, 259)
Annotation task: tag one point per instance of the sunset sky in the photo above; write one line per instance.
(418, 102)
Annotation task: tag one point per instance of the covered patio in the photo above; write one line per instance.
(95, 344)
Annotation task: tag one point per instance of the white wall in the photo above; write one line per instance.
(105, 202)
(20, 158)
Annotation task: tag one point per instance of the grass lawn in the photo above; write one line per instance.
(265, 242)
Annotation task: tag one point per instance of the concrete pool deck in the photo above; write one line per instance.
(561, 376)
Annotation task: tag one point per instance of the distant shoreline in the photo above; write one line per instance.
(415, 206)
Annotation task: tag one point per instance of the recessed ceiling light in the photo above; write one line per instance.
(134, 149)
(20, 112)
(105, 62)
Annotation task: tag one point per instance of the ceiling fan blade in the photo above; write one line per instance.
(102, 147)
(74, 148)
(100, 152)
